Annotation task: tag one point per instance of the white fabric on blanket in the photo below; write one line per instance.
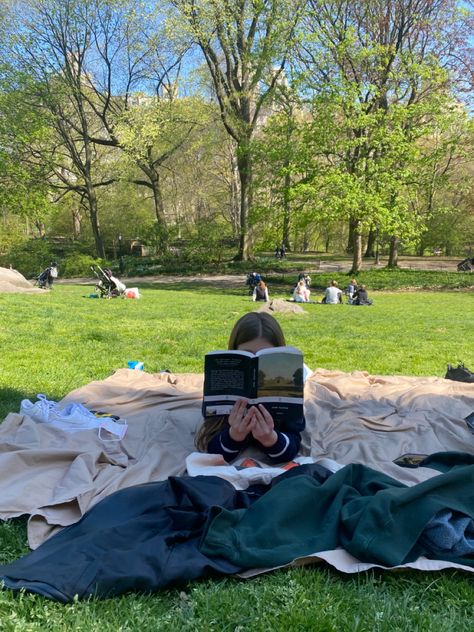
(343, 561)
(199, 464)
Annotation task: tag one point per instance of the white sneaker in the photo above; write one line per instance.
(75, 417)
(39, 411)
(72, 418)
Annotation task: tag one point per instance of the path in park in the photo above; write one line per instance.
(238, 280)
(219, 280)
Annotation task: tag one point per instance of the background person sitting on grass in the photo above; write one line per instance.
(301, 293)
(260, 292)
(361, 297)
(351, 288)
(332, 295)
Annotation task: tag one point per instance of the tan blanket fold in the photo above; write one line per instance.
(56, 476)
(361, 418)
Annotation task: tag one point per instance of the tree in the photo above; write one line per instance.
(442, 181)
(277, 156)
(241, 43)
(50, 50)
(24, 189)
(150, 135)
(87, 60)
(133, 67)
(372, 57)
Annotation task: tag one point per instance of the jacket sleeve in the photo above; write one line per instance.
(223, 444)
(285, 449)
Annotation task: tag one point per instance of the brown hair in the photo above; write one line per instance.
(256, 325)
(248, 327)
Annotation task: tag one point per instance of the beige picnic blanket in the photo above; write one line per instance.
(55, 477)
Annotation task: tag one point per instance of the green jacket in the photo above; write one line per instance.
(373, 516)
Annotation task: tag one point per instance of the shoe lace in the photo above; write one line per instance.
(46, 401)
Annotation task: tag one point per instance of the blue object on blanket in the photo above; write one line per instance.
(136, 364)
(449, 532)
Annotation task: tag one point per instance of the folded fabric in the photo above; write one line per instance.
(449, 533)
(372, 516)
(141, 538)
(243, 472)
(71, 418)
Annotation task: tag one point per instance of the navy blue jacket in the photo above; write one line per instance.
(284, 450)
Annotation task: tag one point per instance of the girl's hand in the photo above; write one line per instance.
(240, 420)
(263, 428)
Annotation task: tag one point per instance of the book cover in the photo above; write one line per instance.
(272, 377)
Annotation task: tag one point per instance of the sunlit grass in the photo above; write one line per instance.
(57, 341)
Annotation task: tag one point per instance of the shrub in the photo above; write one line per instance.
(30, 257)
(78, 264)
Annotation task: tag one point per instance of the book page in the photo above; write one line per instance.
(280, 387)
(285, 349)
(228, 376)
(280, 375)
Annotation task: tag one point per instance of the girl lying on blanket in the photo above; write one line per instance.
(246, 426)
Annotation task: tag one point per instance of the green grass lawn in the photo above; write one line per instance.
(57, 341)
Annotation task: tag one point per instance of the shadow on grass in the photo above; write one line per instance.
(13, 535)
(10, 400)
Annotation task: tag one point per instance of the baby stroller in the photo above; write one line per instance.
(45, 280)
(253, 279)
(466, 266)
(107, 285)
(306, 278)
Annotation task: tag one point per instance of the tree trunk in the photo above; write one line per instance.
(353, 224)
(305, 241)
(76, 223)
(40, 228)
(370, 248)
(286, 212)
(94, 217)
(245, 175)
(393, 254)
(357, 250)
(234, 196)
(159, 209)
(421, 247)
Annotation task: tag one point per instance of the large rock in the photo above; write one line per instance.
(13, 281)
(282, 306)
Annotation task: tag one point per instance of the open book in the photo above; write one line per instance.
(273, 377)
